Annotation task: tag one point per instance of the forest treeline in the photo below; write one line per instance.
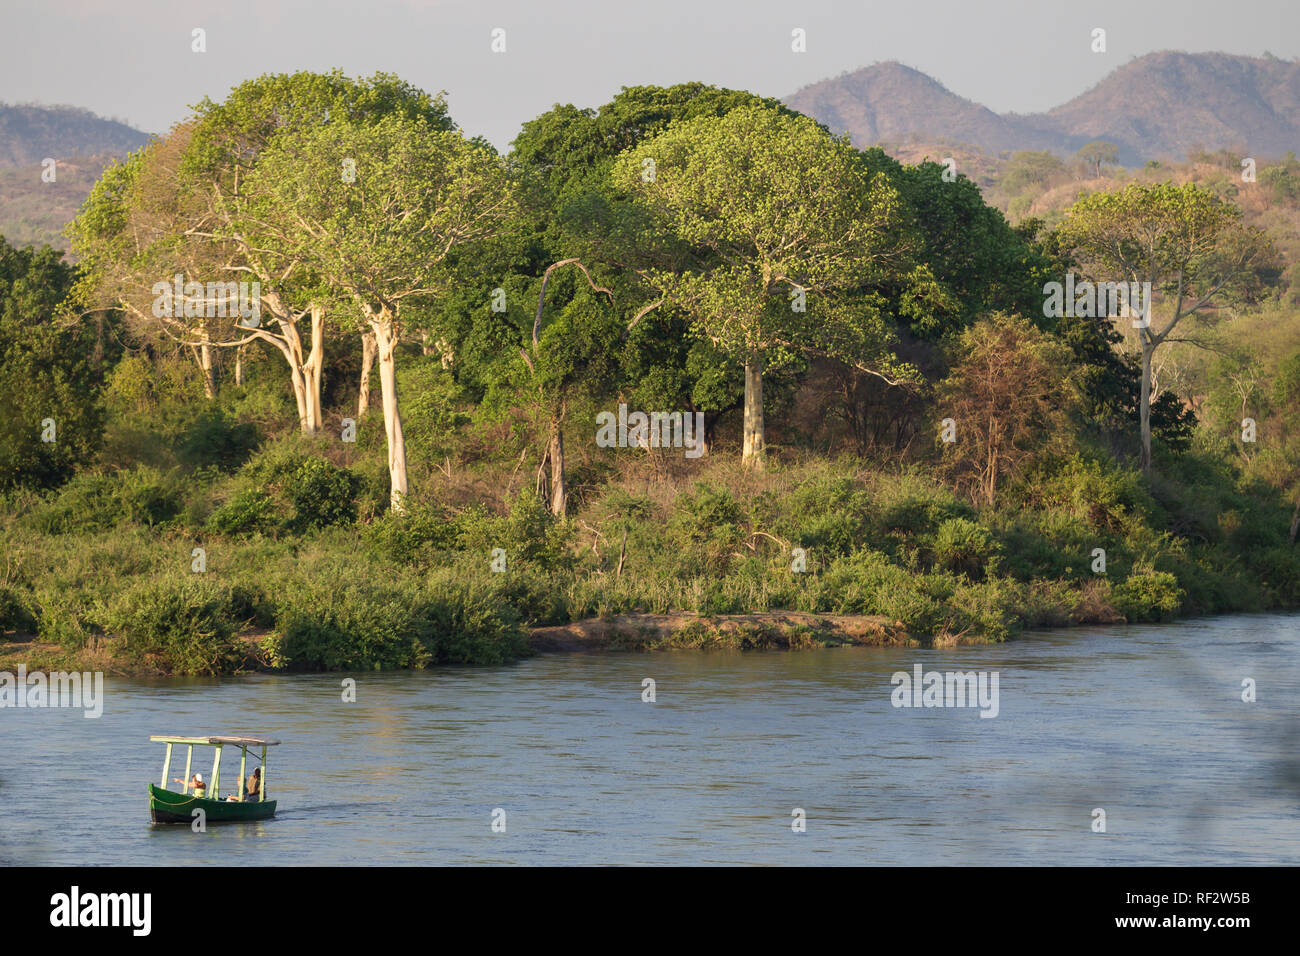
(386, 455)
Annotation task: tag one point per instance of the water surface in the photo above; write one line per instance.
(1145, 722)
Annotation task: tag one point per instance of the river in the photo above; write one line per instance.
(1144, 722)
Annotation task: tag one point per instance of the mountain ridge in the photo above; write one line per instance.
(1158, 106)
(31, 133)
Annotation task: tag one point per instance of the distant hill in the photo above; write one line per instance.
(893, 103)
(1160, 106)
(34, 212)
(81, 143)
(29, 134)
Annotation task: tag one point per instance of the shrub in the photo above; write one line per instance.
(964, 547)
(1148, 596)
(356, 626)
(14, 612)
(147, 496)
(184, 625)
(413, 536)
(1278, 568)
(95, 501)
(249, 512)
(363, 626)
(322, 495)
(214, 439)
(64, 618)
(708, 525)
(528, 534)
(463, 625)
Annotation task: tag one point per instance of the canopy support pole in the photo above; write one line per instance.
(216, 775)
(243, 765)
(189, 756)
(167, 762)
(261, 787)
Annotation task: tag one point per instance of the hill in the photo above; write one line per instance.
(81, 143)
(29, 134)
(1159, 106)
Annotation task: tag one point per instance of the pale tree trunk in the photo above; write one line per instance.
(754, 448)
(288, 344)
(311, 372)
(367, 362)
(239, 365)
(304, 373)
(559, 493)
(209, 370)
(1144, 408)
(385, 330)
(299, 392)
(1295, 521)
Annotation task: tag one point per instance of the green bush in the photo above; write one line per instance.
(528, 534)
(414, 536)
(537, 597)
(353, 626)
(183, 625)
(467, 625)
(148, 497)
(14, 612)
(64, 618)
(322, 495)
(249, 512)
(214, 439)
(964, 547)
(1148, 596)
(1278, 570)
(95, 501)
(707, 526)
(364, 626)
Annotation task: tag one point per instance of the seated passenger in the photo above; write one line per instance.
(196, 782)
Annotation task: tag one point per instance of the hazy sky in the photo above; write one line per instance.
(131, 59)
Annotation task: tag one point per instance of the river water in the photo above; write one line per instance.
(1144, 722)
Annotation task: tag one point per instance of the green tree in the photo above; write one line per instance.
(1286, 399)
(574, 210)
(374, 210)
(1190, 246)
(780, 219)
(49, 372)
(173, 207)
(1098, 153)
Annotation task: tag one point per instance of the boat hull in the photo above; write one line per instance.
(168, 806)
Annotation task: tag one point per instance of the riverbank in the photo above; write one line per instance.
(804, 554)
(625, 632)
(771, 631)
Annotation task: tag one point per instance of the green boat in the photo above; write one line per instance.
(168, 806)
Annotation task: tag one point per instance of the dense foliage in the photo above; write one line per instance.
(941, 453)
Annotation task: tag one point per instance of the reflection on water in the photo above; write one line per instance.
(1146, 723)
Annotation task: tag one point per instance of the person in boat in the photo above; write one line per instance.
(252, 791)
(196, 783)
(251, 788)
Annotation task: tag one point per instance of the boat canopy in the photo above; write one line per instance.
(216, 741)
